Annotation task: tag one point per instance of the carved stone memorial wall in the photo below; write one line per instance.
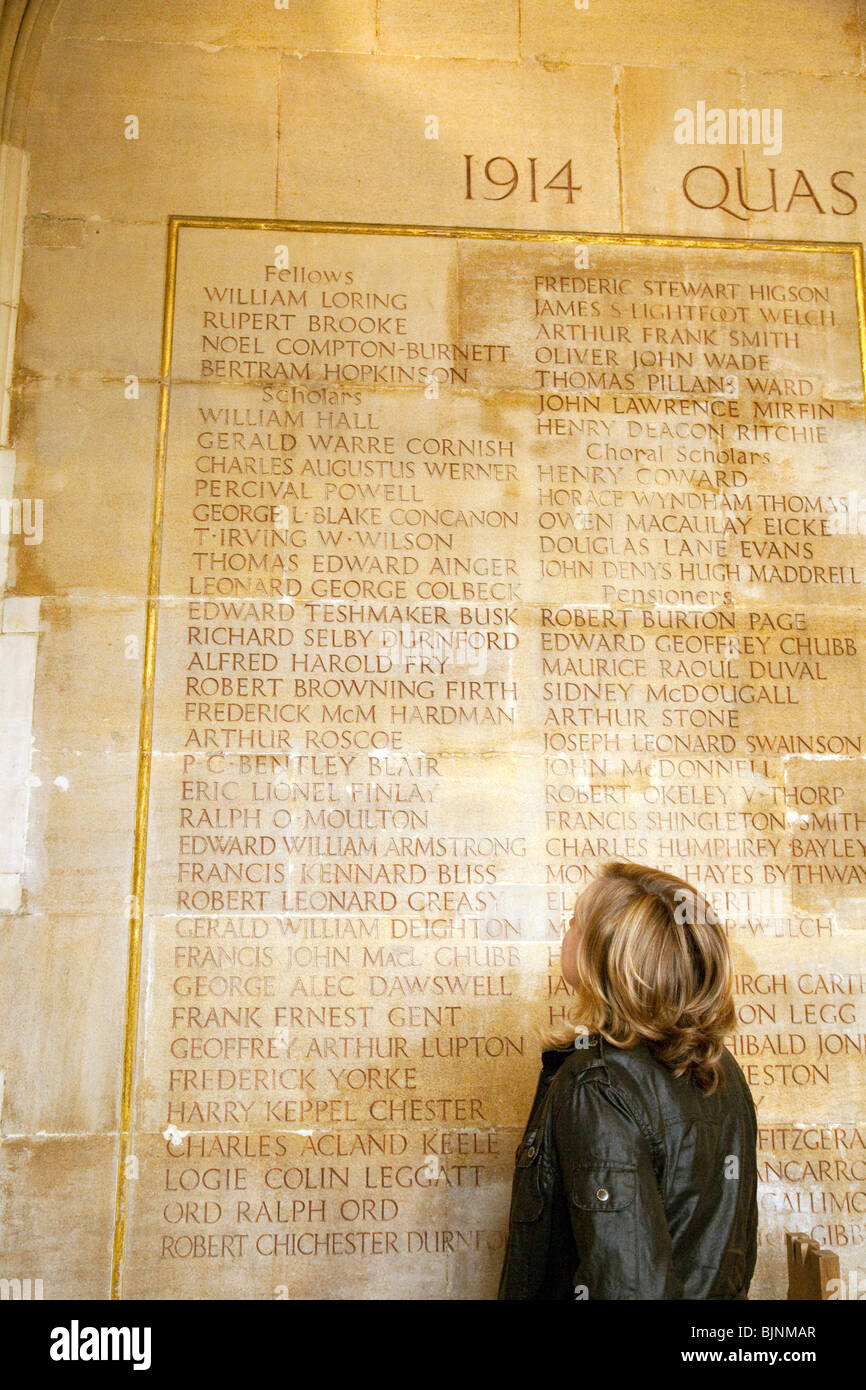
(479, 558)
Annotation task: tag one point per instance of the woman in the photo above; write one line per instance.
(636, 1176)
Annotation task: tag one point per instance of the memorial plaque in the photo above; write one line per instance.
(479, 558)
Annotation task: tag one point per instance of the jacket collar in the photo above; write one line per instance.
(553, 1059)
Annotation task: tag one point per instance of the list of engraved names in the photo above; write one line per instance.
(484, 560)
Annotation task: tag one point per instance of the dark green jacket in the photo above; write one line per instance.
(632, 1183)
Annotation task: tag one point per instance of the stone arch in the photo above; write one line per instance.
(23, 27)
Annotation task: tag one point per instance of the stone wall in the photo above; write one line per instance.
(423, 115)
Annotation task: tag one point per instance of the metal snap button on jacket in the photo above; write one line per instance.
(602, 1194)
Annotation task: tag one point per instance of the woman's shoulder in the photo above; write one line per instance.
(637, 1079)
(633, 1098)
(663, 1097)
(590, 1051)
(593, 1099)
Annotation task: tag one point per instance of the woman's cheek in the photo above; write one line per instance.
(568, 956)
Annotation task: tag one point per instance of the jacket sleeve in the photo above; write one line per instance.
(539, 1254)
(751, 1170)
(617, 1213)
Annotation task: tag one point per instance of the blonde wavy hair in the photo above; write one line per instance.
(653, 966)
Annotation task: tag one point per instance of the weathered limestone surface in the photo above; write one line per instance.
(505, 116)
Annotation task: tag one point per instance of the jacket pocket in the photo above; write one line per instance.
(604, 1221)
(527, 1202)
(604, 1187)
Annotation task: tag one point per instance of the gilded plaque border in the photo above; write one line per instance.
(853, 250)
